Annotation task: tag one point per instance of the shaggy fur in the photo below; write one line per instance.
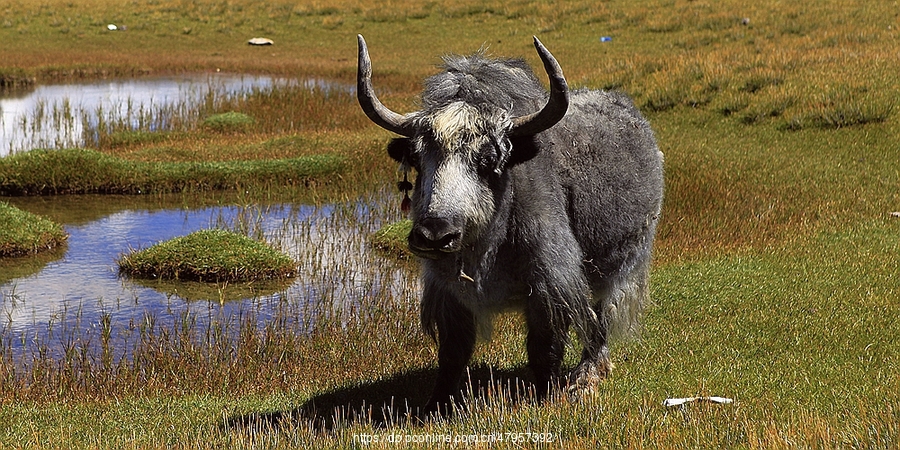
(559, 224)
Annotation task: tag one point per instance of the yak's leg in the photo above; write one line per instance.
(595, 365)
(546, 345)
(456, 342)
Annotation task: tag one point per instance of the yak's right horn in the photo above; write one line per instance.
(555, 108)
(374, 109)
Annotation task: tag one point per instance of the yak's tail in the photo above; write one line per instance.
(622, 299)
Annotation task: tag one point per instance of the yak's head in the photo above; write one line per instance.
(461, 147)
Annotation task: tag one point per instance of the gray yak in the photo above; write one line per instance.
(546, 203)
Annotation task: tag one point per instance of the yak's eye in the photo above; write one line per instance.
(493, 156)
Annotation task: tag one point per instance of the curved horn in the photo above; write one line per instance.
(555, 108)
(374, 109)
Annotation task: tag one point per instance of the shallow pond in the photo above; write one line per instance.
(80, 288)
(72, 292)
(70, 115)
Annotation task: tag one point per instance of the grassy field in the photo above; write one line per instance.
(775, 280)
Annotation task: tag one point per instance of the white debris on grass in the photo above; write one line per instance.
(681, 401)
(260, 41)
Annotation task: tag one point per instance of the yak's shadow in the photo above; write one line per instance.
(390, 401)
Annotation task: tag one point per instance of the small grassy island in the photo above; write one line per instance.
(23, 233)
(209, 256)
(391, 238)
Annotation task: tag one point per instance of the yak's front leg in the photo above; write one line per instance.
(456, 342)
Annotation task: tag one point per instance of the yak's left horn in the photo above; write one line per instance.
(555, 108)
(374, 109)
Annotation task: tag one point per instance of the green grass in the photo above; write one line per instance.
(391, 239)
(228, 122)
(807, 363)
(23, 233)
(80, 171)
(209, 256)
(775, 274)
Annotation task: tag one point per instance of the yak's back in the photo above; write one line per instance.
(612, 171)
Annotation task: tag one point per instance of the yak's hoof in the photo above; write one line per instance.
(584, 379)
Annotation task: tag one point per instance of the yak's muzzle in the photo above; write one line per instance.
(433, 236)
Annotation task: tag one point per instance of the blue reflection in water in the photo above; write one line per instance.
(75, 296)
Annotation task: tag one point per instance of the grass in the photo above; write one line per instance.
(81, 171)
(391, 239)
(23, 233)
(228, 122)
(209, 256)
(775, 274)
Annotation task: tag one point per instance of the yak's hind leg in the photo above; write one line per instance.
(619, 302)
(595, 365)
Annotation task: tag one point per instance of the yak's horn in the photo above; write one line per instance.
(555, 108)
(374, 109)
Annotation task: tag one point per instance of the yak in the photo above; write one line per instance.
(543, 202)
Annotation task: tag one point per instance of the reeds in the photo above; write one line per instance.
(274, 341)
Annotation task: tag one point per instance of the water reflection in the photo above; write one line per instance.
(57, 116)
(76, 290)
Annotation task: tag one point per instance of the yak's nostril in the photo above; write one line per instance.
(435, 234)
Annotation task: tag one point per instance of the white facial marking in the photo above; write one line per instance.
(455, 124)
(451, 185)
(458, 190)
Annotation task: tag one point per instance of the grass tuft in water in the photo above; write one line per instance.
(391, 238)
(23, 233)
(209, 256)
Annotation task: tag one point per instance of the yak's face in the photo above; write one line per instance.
(461, 155)
(462, 151)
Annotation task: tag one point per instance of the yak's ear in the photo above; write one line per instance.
(523, 149)
(400, 149)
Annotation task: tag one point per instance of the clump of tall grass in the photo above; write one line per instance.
(127, 138)
(757, 90)
(23, 233)
(209, 256)
(298, 107)
(79, 171)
